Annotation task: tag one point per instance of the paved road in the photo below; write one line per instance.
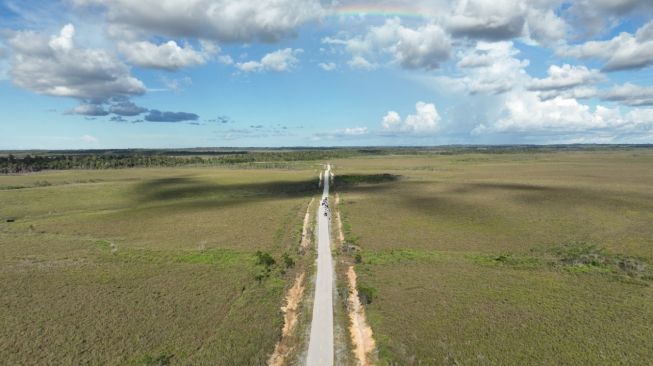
(320, 347)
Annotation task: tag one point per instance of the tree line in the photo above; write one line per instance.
(33, 163)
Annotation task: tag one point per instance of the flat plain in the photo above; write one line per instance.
(464, 258)
(146, 266)
(517, 258)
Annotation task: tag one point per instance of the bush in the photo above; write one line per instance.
(288, 261)
(366, 294)
(264, 259)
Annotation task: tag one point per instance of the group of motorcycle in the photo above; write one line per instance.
(325, 203)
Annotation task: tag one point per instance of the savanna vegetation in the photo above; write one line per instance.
(516, 258)
(465, 255)
(12, 162)
(183, 266)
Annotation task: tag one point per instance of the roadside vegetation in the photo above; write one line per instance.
(148, 266)
(472, 259)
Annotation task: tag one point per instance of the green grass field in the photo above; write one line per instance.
(146, 266)
(541, 258)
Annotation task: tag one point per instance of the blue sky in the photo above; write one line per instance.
(118, 74)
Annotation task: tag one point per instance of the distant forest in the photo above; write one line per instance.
(13, 162)
(25, 163)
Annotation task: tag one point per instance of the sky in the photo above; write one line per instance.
(95, 74)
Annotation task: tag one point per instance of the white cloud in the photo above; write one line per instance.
(55, 66)
(167, 56)
(125, 108)
(490, 68)
(425, 120)
(119, 106)
(622, 52)
(424, 47)
(345, 133)
(361, 63)
(95, 110)
(490, 20)
(630, 94)
(327, 66)
(598, 16)
(497, 20)
(225, 59)
(355, 131)
(219, 20)
(89, 139)
(391, 121)
(579, 92)
(563, 78)
(279, 61)
(544, 26)
(526, 113)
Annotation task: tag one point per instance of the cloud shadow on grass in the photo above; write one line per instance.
(192, 193)
(451, 201)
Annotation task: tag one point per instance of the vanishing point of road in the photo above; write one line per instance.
(320, 346)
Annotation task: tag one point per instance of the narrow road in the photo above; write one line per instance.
(320, 346)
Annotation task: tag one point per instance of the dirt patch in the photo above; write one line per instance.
(361, 333)
(341, 235)
(290, 313)
(306, 240)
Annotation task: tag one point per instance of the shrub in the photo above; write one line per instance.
(288, 261)
(366, 294)
(264, 259)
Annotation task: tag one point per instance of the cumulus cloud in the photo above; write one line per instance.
(126, 108)
(278, 61)
(426, 119)
(566, 77)
(391, 120)
(622, 52)
(158, 116)
(630, 94)
(361, 63)
(501, 20)
(598, 16)
(167, 56)
(118, 106)
(545, 27)
(567, 81)
(423, 47)
(94, 110)
(218, 20)
(525, 112)
(489, 68)
(327, 66)
(55, 66)
(488, 20)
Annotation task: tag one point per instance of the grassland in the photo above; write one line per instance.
(537, 258)
(146, 266)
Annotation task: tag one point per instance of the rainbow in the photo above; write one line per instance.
(378, 10)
